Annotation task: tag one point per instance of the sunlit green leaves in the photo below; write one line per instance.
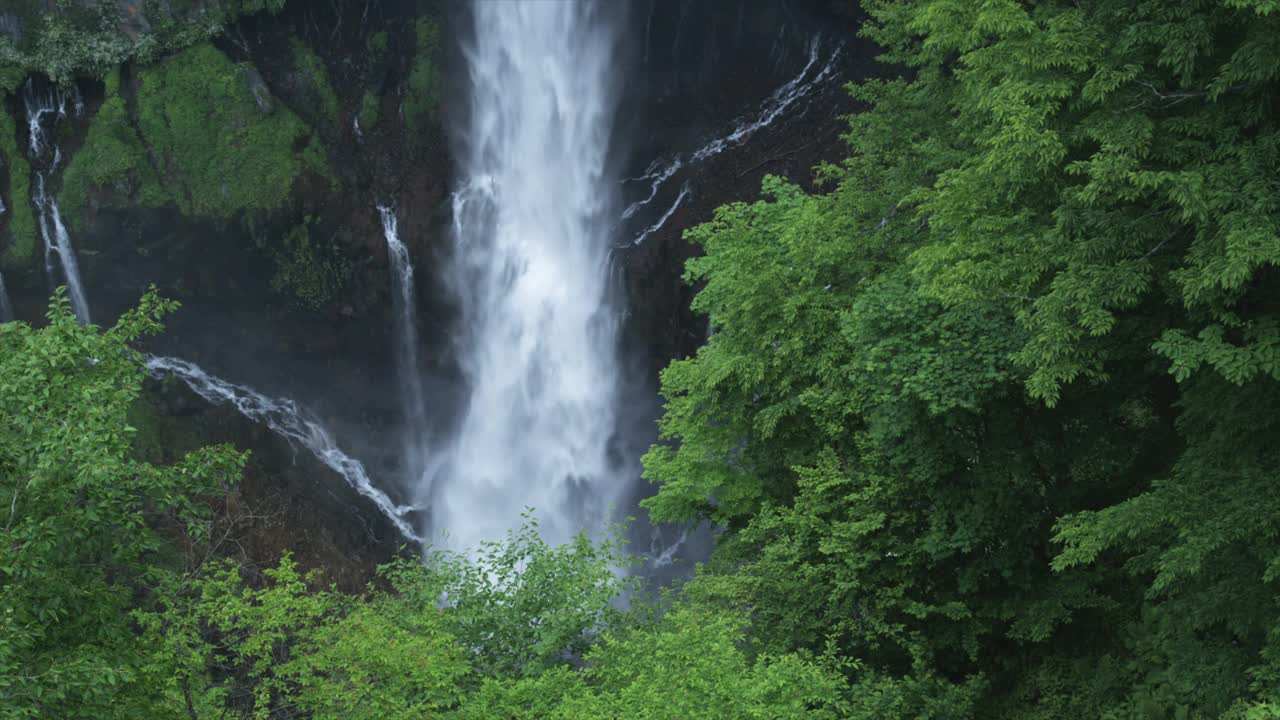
(76, 532)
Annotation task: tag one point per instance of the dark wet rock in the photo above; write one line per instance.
(336, 357)
(11, 27)
(258, 88)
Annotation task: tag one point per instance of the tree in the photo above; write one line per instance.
(78, 544)
(994, 409)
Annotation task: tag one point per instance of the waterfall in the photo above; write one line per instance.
(38, 104)
(57, 241)
(811, 77)
(530, 270)
(289, 420)
(406, 333)
(656, 226)
(6, 307)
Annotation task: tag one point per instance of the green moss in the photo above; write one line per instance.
(315, 82)
(215, 149)
(424, 78)
(378, 43)
(309, 272)
(11, 77)
(112, 158)
(370, 111)
(19, 220)
(316, 159)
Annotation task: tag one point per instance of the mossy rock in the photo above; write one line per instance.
(18, 224)
(378, 44)
(309, 272)
(423, 97)
(314, 82)
(210, 140)
(112, 162)
(370, 111)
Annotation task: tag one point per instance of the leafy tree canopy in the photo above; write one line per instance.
(996, 409)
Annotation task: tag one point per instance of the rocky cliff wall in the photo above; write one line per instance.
(233, 153)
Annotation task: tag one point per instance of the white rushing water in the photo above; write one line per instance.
(57, 243)
(408, 369)
(39, 105)
(291, 421)
(657, 225)
(532, 229)
(810, 78)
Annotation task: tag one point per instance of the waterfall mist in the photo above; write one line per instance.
(530, 271)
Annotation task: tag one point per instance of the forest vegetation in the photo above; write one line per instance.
(989, 422)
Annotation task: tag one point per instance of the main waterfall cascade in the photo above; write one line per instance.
(532, 232)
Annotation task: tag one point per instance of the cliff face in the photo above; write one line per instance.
(233, 154)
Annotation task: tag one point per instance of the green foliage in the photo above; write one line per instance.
(19, 221)
(691, 666)
(315, 157)
(145, 419)
(70, 41)
(988, 424)
(89, 39)
(112, 161)
(309, 271)
(521, 605)
(215, 148)
(386, 659)
(77, 527)
(292, 646)
(11, 78)
(314, 79)
(423, 97)
(202, 141)
(501, 633)
(993, 413)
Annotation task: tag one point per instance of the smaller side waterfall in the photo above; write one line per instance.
(289, 420)
(6, 307)
(406, 333)
(57, 241)
(656, 226)
(774, 107)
